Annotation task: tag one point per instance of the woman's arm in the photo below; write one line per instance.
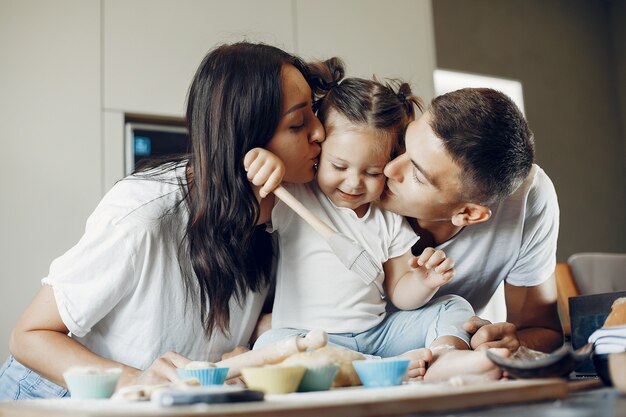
(411, 281)
(40, 342)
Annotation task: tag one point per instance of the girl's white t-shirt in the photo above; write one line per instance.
(120, 290)
(314, 289)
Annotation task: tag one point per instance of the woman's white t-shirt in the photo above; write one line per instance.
(120, 290)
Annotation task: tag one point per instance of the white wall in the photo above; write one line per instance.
(50, 111)
(71, 69)
(384, 38)
(572, 66)
(148, 65)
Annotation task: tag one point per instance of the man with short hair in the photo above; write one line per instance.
(468, 186)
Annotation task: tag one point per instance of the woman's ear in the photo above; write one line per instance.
(470, 214)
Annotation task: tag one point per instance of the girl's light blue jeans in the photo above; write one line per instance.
(399, 332)
(17, 382)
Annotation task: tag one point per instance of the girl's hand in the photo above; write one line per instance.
(264, 170)
(433, 267)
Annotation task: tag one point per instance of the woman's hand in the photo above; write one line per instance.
(161, 371)
(238, 350)
(264, 170)
(433, 267)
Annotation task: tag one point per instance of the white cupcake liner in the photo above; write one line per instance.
(92, 385)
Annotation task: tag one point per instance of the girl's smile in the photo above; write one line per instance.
(351, 165)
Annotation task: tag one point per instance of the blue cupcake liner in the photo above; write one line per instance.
(318, 378)
(206, 376)
(381, 372)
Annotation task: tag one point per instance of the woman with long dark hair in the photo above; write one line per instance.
(174, 264)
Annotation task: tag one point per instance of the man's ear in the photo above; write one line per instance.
(471, 213)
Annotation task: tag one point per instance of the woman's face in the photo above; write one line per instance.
(297, 138)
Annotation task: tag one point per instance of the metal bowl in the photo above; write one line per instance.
(556, 364)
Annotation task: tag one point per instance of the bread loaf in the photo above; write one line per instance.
(617, 316)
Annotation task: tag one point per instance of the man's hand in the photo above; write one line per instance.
(488, 335)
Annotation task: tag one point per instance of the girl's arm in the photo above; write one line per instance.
(265, 171)
(411, 281)
(40, 342)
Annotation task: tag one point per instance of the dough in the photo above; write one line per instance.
(524, 353)
(346, 376)
(144, 392)
(199, 365)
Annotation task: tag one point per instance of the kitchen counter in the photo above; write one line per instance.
(547, 397)
(597, 402)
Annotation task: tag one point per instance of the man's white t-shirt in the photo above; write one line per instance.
(517, 244)
(120, 290)
(313, 288)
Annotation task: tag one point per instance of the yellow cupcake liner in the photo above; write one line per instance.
(273, 379)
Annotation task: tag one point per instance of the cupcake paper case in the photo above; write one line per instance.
(88, 382)
(206, 376)
(381, 372)
(318, 378)
(273, 379)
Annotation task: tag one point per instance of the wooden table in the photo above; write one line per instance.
(345, 402)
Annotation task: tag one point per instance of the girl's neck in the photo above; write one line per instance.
(362, 210)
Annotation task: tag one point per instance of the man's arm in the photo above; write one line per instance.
(532, 320)
(533, 310)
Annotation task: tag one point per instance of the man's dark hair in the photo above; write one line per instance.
(487, 135)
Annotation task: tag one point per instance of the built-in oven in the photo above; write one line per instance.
(153, 138)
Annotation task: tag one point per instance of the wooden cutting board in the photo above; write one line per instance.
(344, 402)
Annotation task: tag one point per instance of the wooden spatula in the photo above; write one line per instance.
(350, 253)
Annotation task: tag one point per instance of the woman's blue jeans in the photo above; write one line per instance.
(17, 382)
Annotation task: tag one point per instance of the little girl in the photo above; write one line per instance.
(365, 122)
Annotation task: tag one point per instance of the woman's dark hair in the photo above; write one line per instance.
(386, 107)
(487, 135)
(233, 105)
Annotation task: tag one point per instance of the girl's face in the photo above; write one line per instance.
(299, 133)
(351, 166)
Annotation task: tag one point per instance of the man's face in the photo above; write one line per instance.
(424, 181)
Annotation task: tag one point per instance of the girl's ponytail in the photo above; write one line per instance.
(408, 100)
(325, 75)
